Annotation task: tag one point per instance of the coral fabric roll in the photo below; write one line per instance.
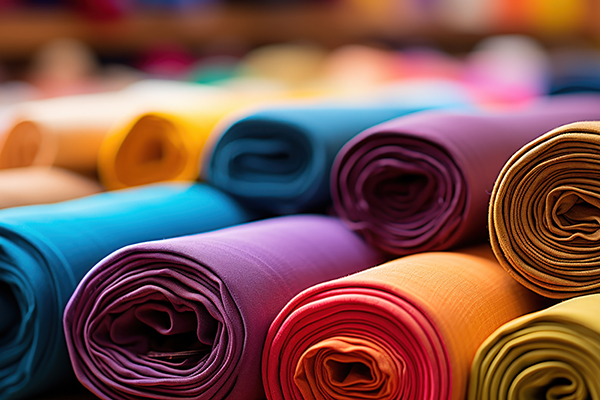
(187, 317)
(422, 182)
(406, 329)
(550, 354)
(46, 250)
(279, 159)
(41, 185)
(544, 214)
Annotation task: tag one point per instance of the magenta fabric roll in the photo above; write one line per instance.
(187, 317)
(423, 182)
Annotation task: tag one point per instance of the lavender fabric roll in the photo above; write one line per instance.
(423, 182)
(187, 317)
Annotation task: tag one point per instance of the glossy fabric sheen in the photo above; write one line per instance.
(187, 317)
(545, 212)
(278, 159)
(422, 182)
(46, 250)
(550, 354)
(406, 329)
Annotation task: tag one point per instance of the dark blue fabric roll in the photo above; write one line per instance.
(46, 250)
(279, 159)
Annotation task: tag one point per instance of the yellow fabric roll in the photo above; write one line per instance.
(550, 354)
(42, 185)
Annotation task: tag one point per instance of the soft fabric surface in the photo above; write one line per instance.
(46, 250)
(278, 159)
(187, 317)
(544, 214)
(422, 182)
(42, 185)
(550, 354)
(406, 329)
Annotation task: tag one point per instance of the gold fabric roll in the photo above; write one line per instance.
(544, 214)
(42, 185)
(550, 354)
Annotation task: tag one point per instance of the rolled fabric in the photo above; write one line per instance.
(46, 250)
(422, 182)
(544, 213)
(278, 159)
(406, 329)
(549, 354)
(42, 185)
(187, 317)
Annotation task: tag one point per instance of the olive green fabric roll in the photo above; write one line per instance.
(548, 355)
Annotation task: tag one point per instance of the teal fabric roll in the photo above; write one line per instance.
(279, 159)
(46, 250)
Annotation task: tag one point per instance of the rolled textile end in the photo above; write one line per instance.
(550, 354)
(406, 329)
(544, 213)
(187, 318)
(41, 185)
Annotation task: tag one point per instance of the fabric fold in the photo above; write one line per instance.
(405, 329)
(47, 249)
(544, 214)
(187, 317)
(550, 354)
(422, 182)
(278, 159)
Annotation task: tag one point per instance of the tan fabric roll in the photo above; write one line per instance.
(544, 214)
(41, 185)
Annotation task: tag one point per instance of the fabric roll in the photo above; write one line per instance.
(406, 329)
(47, 249)
(187, 317)
(550, 354)
(422, 182)
(42, 185)
(544, 215)
(278, 159)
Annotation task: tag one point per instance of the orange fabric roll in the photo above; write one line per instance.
(42, 185)
(406, 329)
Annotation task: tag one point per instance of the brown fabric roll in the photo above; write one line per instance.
(544, 214)
(41, 185)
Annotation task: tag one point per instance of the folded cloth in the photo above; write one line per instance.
(549, 354)
(278, 159)
(406, 329)
(544, 215)
(187, 317)
(47, 249)
(41, 185)
(422, 182)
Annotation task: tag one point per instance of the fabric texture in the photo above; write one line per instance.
(405, 329)
(42, 185)
(422, 182)
(278, 159)
(544, 214)
(46, 250)
(187, 317)
(550, 354)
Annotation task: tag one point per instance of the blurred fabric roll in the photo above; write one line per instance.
(544, 214)
(187, 317)
(68, 131)
(279, 158)
(406, 329)
(47, 249)
(41, 185)
(549, 354)
(422, 182)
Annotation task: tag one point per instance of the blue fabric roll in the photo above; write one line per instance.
(46, 250)
(279, 159)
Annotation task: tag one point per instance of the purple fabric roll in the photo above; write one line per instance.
(423, 182)
(187, 317)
